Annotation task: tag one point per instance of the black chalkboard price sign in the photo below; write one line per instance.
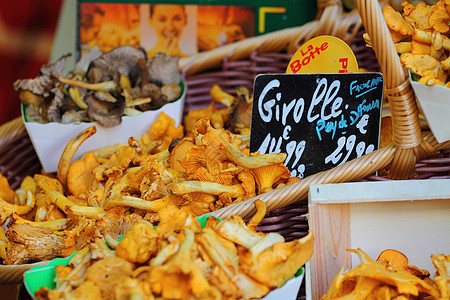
(319, 120)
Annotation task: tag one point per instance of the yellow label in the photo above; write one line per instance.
(323, 54)
(262, 16)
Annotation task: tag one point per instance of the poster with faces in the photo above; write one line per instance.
(174, 29)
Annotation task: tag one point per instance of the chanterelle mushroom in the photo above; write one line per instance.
(6, 192)
(371, 274)
(267, 176)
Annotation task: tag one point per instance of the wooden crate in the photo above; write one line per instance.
(412, 216)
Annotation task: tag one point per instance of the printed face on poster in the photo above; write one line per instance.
(174, 29)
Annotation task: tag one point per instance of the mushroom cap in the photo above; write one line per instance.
(396, 22)
(121, 60)
(6, 192)
(89, 55)
(79, 176)
(420, 64)
(107, 114)
(267, 176)
(418, 17)
(397, 260)
(55, 68)
(164, 69)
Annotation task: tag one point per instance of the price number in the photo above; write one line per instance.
(294, 152)
(345, 147)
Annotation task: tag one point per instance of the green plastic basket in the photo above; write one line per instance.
(43, 276)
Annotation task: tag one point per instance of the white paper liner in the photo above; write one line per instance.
(435, 103)
(49, 140)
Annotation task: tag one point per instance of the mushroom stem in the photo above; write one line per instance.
(258, 216)
(138, 101)
(211, 188)
(105, 86)
(220, 96)
(112, 243)
(75, 95)
(7, 208)
(54, 225)
(70, 207)
(135, 202)
(69, 152)
(246, 161)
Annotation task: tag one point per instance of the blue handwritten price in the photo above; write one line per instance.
(349, 144)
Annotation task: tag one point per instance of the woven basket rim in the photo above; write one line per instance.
(11, 129)
(13, 274)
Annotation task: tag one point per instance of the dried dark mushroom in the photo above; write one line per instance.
(148, 90)
(241, 110)
(152, 91)
(143, 76)
(158, 95)
(55, 68)
(89, 55)
(109, 66)
(95, 75)
(74, 116)
(106, 97)
(108, 114)
(44, 82)
(172, 91)
(43, 94)
(163, 69)
(40, 86)
(54, 107)
(101, 87)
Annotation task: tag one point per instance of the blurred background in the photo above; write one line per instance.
(27, 30)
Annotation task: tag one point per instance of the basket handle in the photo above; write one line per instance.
(401, 96)
(334, 21)
(10, 130)
(353, 170)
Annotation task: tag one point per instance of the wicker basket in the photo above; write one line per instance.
(416, 152)
(238, 63)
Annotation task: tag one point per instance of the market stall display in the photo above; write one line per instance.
(401, 160)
